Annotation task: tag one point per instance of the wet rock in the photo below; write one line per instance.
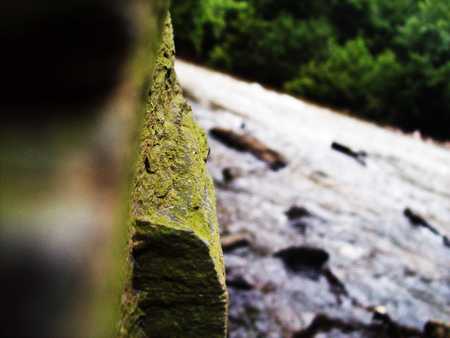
(297, 217)
(340, 328)
(308, 260)
(417, 220)
(358, 156)
(239, 283)
(247, 143)
(436, 330)
(322, 323)
(216, 106)
(296, 212)
(380, 315)
(446, 241)
(230, 174)
(336, 286)
(233, 242)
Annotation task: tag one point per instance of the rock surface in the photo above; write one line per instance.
(384, 277)
(177, 283)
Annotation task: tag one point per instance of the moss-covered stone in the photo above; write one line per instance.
(176, 285)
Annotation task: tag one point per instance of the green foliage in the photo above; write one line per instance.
(384, 60)
(351, 77)
(198, 20)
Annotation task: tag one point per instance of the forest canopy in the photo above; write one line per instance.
(387, 61)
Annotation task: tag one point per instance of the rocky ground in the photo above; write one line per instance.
(332, 227)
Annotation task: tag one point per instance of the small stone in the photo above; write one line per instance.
(232, 242)
(230, 174)
(239, 283)
(296, 212)
(304, 259)
(446, 241)
(380, 315)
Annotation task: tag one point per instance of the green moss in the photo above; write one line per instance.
(177, 282)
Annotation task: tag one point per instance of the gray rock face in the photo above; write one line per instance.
(362, 268)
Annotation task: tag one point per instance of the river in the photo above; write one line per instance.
(344, 242)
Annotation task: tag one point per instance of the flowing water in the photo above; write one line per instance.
(382, 272)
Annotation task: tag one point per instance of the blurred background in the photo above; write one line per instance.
(333, 202)
(386, 61)
(74, 80)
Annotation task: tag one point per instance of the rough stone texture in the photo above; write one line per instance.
(176, 285)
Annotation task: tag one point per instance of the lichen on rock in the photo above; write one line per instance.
(176, 284)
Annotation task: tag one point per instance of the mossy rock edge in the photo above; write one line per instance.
(176, 285)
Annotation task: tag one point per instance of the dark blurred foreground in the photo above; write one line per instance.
(72, 74)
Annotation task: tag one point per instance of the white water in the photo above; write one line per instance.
(359, 209)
